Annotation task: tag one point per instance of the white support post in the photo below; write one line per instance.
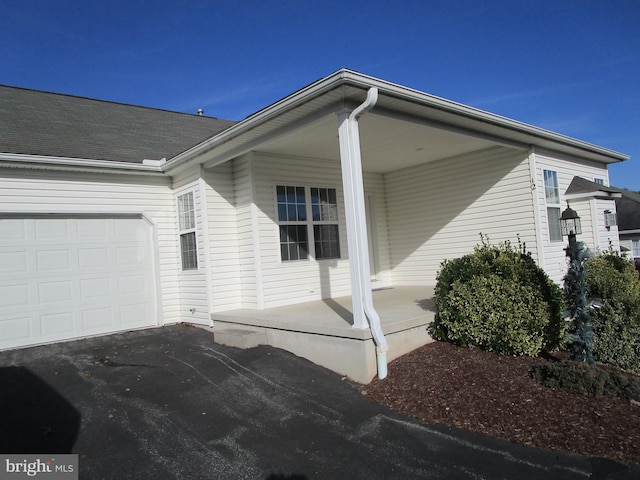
(350, 186)
(364, 313)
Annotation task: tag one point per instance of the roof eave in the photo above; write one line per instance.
(534, 135)
(13, 160)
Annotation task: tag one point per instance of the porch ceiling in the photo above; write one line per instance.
(388, 143)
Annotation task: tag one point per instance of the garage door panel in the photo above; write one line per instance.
(12, 229)
(55, 292)
(132, 316)
(12, 295)
(48, 229)
(13, 262)
(133, 285)
(98, 320)
(93, 288)
(65, 278)
(92, 228)
(57, 324)
(91, 258)
(130, 228)
(16, 330)
(47, 260)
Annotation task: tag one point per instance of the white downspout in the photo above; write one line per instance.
(359, 247)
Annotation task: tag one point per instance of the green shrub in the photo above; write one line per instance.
(612, 277)
(613, 281)
(498, 299)
(617, 338)
(588, 380)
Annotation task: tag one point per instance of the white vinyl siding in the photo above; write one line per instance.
(249, 247)
(604, 237)
(194, 294)
(227, 289)
(438, 210)
(567, 167)
(374, 188)
(82, 193)
(294, 282)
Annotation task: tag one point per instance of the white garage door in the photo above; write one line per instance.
(63, 278)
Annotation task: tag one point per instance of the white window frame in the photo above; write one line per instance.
(187, 234)
(311, 216)
(552, 202)
(598, 180)
(635, 248)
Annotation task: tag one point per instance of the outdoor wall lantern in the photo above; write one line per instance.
(570, 225)
(610, 219)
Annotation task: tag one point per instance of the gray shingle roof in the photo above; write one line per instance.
(41, 123)
(628, 208)
(581, 185)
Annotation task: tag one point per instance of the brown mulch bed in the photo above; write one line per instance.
(495, 395)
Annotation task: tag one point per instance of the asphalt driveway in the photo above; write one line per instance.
(169, 403)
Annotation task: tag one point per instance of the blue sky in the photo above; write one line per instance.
(569, 66)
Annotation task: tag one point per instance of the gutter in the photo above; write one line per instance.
(15, 160)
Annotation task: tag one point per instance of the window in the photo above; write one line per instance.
(308, 217)
(187, 232)
(552, 199)
(635, 248)
(599, 181)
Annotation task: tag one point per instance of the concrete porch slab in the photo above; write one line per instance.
(323, 332)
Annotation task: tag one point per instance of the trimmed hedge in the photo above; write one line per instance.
(613, 283)
(587, 380)
(498, 299)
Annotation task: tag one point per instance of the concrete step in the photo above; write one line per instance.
(240, 338)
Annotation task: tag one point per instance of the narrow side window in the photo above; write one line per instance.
(187, 232)
(552, 199)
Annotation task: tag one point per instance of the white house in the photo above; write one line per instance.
(115, 217)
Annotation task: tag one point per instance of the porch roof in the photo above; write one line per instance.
(407, 127)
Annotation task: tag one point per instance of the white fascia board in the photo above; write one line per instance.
(628, 232)
(348, 77)
(14, 160)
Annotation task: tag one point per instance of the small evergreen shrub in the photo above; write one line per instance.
(589, 380)
(498, 299)
(581, 331)
(612, 281)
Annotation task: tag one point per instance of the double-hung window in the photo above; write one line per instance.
(308, 222)
(552, 199)
(635, 249)
(187, 232)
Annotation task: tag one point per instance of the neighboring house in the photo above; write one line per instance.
(628, 207)
(115, 217)
(595, 203)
